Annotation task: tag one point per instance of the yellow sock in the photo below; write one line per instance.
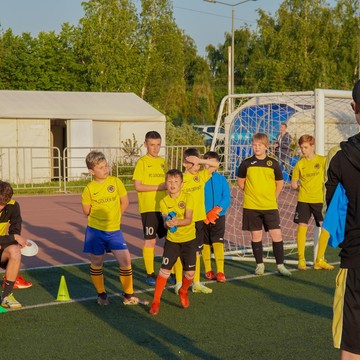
(219, 256)
(322, 244)
(97, 277)
(178, 268)
(148, 255)
(197, 269)
(126, 279)
(301, 241)
(206, 255)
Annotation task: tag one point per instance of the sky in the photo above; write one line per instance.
(205, 22)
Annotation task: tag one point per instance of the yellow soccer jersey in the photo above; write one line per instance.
(150, 171)
(311, 174)
(195, 185)
(104, 198)
(179, 205)
(260, 183)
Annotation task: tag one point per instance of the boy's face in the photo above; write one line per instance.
(153, 147)
(307, 149)
(100, 171)
(209, 168)
(173, 184)
(259, 148)
(190, 168)
(2, 207)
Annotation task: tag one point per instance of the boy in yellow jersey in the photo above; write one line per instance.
(180, 239)
(149, 180)
(194, 184)
(261, 178)
(10, 243)
(308, 176)
(104, 200)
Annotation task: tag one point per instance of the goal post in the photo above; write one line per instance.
(324, 114)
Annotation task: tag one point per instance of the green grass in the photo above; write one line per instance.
(267, 317)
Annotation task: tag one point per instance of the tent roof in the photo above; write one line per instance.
(76, 105)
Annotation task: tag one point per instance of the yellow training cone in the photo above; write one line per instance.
(63, 294)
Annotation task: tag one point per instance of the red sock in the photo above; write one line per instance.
(186, 283)
(159, 288)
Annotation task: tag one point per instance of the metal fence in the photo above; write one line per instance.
(41, 168)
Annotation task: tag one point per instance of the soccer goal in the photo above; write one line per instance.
(324, 114)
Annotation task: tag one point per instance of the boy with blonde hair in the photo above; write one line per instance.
(308, 177)
(261, 178)
(104, 200)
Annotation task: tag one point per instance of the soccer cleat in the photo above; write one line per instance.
(177, 287)
(20, 283)
(10, 302)
(171, 280)
(184, 298)
(133, 300)
(260, 269)
(210, 275)
(200, 288)
(283, 270)
(154, 309)
(151, 279)
(220, 277)
(323, 265)
(103, 299)
(302, 264)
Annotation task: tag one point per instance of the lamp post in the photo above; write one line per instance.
(231, 71)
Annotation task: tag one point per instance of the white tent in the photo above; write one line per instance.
(72, 120)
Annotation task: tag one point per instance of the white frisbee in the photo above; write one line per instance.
(31, 249)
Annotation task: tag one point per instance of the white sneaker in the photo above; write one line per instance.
(200, 288)
(177, 287)
(283, 270)
(260, 269)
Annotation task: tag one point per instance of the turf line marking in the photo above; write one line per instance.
(242, 277)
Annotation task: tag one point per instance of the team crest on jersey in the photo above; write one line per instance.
(111, 188)
(269, 163)
(162, 166)
(317, 166)
(196, 179)
(181, 205)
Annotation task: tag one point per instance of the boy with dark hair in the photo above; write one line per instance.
(217, 201)
(104, 200)
(261, 178)
(177, 209)
(149, 181)
(10, 239)
(194, 184)
(344, 169)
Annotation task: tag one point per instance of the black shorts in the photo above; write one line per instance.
(304, 211)
(199, 226)
(186, 251)
(153, 224)
(215, 232)
(346, 310)
(254, 220)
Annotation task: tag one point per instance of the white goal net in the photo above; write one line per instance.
(324, 114)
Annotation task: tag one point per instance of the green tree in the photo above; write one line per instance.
(108, 46)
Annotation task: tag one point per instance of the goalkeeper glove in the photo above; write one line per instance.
(213, 215)
(170, 216)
